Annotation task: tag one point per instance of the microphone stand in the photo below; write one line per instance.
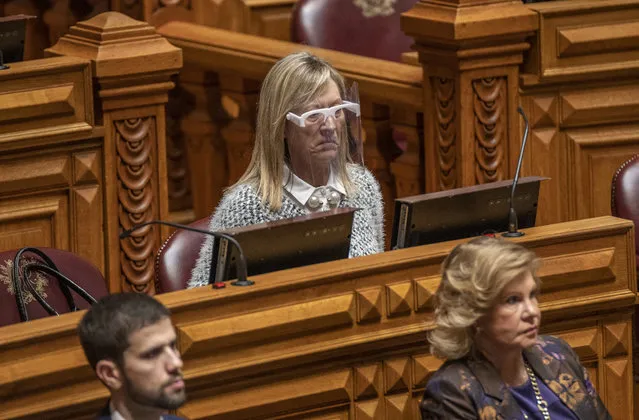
(513, 224)
(242, 277)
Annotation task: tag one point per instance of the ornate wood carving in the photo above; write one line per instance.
(490, 112)
(133, 66)
(133, 141)
(445, 131)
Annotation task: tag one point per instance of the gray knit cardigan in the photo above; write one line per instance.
(241, 206)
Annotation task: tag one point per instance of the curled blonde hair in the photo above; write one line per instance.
(473, 277)
(292, 83)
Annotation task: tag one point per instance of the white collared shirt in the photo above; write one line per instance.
(302, 191)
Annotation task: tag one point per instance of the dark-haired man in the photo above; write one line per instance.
(131, 344)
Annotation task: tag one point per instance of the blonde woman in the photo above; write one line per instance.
(498, 367)
(301, 160)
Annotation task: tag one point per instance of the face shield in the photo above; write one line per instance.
(322, 140)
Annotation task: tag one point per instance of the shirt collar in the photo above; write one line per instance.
(115, 415)
(302, 190)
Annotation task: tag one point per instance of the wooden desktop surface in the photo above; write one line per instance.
(340, 340)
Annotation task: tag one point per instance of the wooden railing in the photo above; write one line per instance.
(340, 340)
(82, 147)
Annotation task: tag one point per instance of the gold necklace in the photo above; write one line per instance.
(541, 403)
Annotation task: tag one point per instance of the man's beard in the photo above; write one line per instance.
(159, 400)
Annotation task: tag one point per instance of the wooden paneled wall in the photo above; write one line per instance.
(82, 147)
(51, 159)
(579, 87)
(340, 340)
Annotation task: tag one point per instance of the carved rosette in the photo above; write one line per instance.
(135, 198)
(445, 131)
(489, 104)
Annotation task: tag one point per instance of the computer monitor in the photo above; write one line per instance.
(463, 212)
(310, 239)
(13, 31)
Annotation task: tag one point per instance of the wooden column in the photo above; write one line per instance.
(132, 66)
(470, 51)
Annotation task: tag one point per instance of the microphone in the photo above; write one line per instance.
(513, 225)
(242, 277)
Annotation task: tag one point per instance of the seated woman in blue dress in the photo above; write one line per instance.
(498, 367)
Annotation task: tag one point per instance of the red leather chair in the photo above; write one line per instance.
(625, 195)
(358, 27)
(76, 268)
(177, 256)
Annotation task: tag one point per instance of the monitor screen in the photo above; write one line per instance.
(310, 239)
(463, 212)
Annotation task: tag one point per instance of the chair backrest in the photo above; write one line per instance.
(362, 27)
(177, 257)
(76, 268)
(625, 194)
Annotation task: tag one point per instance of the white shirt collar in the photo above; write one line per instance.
(302, 190)
(115, 415)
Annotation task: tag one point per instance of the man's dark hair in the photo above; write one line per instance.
(105, 329)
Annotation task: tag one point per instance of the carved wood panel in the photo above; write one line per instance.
(595, 155)
(491, 134)
(134, 140)
(445, 132)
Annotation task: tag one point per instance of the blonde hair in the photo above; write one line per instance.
(292, 83)
(473, 276)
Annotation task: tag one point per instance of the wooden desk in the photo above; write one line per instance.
(340, 340)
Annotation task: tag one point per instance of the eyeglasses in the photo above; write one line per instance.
(318, 116)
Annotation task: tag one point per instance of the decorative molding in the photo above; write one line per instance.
(134, 162)
(270, 325)
(616, 339)
(18, 175)
(87, 167)
(599, 105)
(425, 289)
(490, 116)
(37, 103)
(396, 375)
(559, 273)
(369, 305)
(445, 131)
(399, 299)
(597, 39)
(544, 111)
(368, 381)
